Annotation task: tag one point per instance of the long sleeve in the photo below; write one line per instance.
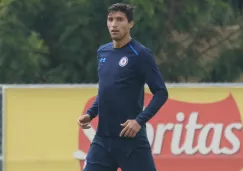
(93, 110)
(154, 80)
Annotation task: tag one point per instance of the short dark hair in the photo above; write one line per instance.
(125, 8)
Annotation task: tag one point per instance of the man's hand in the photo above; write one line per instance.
(131, 128)
(84, 121)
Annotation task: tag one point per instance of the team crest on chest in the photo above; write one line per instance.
(123, 61)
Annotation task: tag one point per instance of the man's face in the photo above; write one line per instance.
(118, 25)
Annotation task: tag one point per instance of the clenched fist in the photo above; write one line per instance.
(84, 121)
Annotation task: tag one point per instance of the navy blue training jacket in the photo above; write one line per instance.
(122, 74)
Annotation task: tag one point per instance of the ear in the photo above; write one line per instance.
(131, 24)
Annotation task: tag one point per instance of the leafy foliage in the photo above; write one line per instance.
(49, 41)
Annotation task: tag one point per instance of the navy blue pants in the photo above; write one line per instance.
(129, 154)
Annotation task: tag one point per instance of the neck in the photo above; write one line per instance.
(121, 43)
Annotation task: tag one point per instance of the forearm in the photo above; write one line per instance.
(158, 100)
(93, 110)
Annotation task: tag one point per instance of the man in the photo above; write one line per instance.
(124, 67)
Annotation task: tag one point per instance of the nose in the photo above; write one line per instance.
(114, 24)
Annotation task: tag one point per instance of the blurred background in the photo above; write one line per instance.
(50, 41)
(55, 41)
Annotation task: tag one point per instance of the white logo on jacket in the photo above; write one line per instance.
(123, 61)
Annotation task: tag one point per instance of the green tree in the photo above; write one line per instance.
(49, 41)
(179, 33)
(228, 66)
(22, 52)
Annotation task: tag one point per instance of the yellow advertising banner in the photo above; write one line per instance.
(41, 133)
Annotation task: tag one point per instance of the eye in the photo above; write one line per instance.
(120, 19)
(110, 19)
